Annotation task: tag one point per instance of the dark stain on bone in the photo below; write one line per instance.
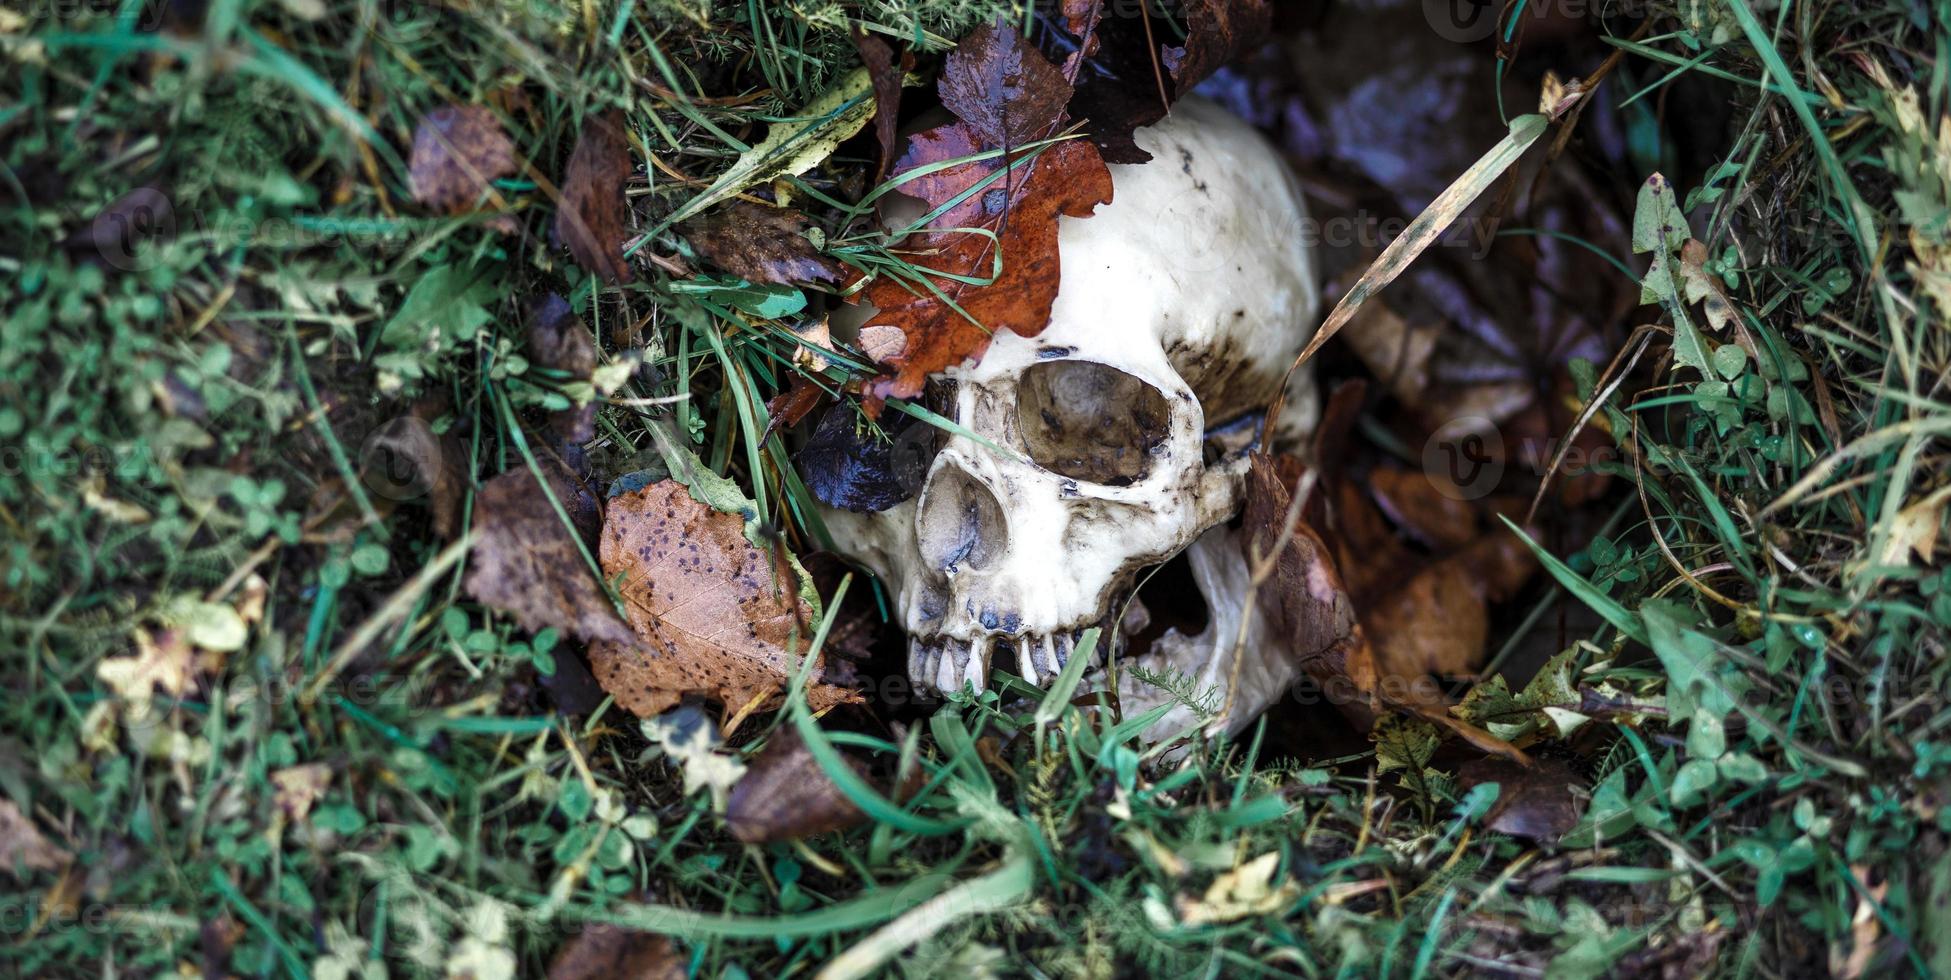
(1185, 165)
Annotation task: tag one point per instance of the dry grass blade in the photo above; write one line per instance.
(1419, 235)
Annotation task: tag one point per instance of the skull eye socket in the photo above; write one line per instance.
(1090, 421)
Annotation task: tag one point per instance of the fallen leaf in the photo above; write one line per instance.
(1704, 287)
(785, 795)
(1004, 92)
(849, 465)
(558, 341)
(404, 459)
(1304, 601)
(527, 562)
(790, 407)
(1020, 208)
(298, 788)
(1541, 802)
(1120, 63)
(887, 74)
(713, 613)
(123, 227)
(1217, 31)
(1915, 530)
(1244, 891)
(1436, 623)
(163, 662)
(693, 744)
(882, 344)
(458, 151)
(762, 244)
(22, 846)
(796, 143)
(602, 951)
(1414, 503)
(590, 216)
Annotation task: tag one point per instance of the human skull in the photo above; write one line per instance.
(1182, 304)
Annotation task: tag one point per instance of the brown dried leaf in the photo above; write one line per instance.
(1704, 287)
(527, 562)
(789, 407)
(1021, 208)
(1541, 802)
(1066, 179)
(1004, 92)
(1415, 504)
(713, 614)
(1217, 31)
(1304, 600)
(22, 846)
(590, 219)
(1435, 623)
(402, 460)
(457, 152)
(887, 73)
(602, 951)
(785, 795)
(558, 340)
(759, 243)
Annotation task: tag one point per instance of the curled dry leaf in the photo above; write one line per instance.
(887, 73)
(1217, 31)
(713, 613)
(848, 465)
(762, 244)
(1699, 285)
(458, 151)
(1541, 802)
(1004, 94)
(1305, 602)
(785, 795)
(558, 340)
(789, 407)
(527, 562)
(1120, 64)
(602, 951)
(1253, 888)
(22, 846)
(590, 219)
(404, 459)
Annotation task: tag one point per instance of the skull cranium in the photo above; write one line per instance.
(1182, 304)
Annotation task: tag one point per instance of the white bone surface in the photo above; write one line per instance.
(1197, 280)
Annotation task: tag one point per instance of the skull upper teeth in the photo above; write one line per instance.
(944, 664)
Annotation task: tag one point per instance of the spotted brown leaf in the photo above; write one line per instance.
(713, 614)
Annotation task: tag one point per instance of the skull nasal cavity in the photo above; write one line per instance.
(1089, 421)
(961, 524)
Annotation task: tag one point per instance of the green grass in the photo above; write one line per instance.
(168, 425)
